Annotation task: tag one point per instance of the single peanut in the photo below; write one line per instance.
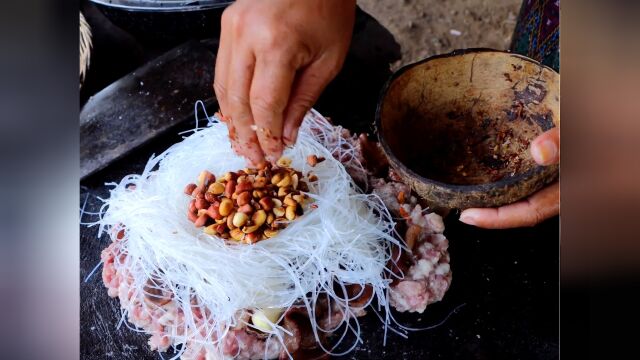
(313, 177)
(192, 216)
(260, 182)
(284, 162)
(289, 201)
(201, 220)
(269, 233)
(205, 178)
(277, 178)
(226, 206)
(283, 191)
(299, 198)
(189, 188)
(239, 219)
(192, 206)
(251, 238)
(266, 203)
(270, 218)
(312, 160)
(209, 196)
(216, 188)
(400, 197)
(294, 181)
(230, 221)
(243, 198)
(229, 188)
(202, 211)
(228, 176)
(247, 209)
(286, 181)
(214, 212)
(236, 234)
(249, 171)
(258, 194)
(276, 202)
(210, 230)
(202, 204)
(290, 212)
(241, 179)
(278, 211)
(243, 186)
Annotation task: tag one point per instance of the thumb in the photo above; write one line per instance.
(545, 149)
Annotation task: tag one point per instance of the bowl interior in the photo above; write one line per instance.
(468, 119)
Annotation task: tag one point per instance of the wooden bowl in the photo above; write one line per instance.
(457, 127)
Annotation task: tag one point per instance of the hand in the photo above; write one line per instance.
(545, 150)
(274, 60)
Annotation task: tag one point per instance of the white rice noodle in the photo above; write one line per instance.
(347, 239)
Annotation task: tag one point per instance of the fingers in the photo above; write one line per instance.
(241, 72)
(269, 94)
(540, 206)
(306, 89)
(545, 149)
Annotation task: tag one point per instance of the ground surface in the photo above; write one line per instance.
(427, 27)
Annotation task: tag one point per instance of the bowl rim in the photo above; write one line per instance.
(163, 6)
(459, 188)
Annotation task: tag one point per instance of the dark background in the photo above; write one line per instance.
(505, 283)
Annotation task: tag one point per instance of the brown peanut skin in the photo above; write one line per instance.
(266, 203)
(243, 198)
(202, 204)
(214, 212)
(192, 216)
(201, 220)
(210, 197)
(189, 188)
(243, 186)
(230, 188)
(192, 206)
(245, 209)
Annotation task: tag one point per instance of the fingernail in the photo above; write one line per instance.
(467, 219)
(544, 152)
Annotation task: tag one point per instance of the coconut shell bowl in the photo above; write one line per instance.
(457, 127)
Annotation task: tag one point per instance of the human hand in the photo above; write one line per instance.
(275, 58)
(545, 150)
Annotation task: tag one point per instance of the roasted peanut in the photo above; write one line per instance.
(192, 206)
(205, 178)
(236, 234)
(294, 181)
(249, 171)
(400, 197)
(270, 233)
(260, 182)
(243, 198)
(239, 219)
(214, 212)
(229, 188)
(299, 198)
(241, 179)
(278, 211)
(201, 220)
(283, 191)
(312, 177)
(284, 162)
(258, 194)
(228, 176)
(270, 218)
(286, 181)
(189, 188)
(202, 211)
(243, 186)
(226, 206)
(192, 216)
(251, 238)
(276, 202)
(277, 178)
(210, 230)
(312, 160)
(247, 209)
(290, 212)
(266, 203)
(288, 200)
(202, 204)
(216, 188)
(230, 221)
(210, 197)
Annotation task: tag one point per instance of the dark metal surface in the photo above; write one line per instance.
(508, 280)
(144, 103)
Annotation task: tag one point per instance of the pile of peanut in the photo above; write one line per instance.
(248, 205)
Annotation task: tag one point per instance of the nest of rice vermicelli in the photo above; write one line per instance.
(314, 264)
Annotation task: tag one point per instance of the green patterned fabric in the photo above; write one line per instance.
(537, 32)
